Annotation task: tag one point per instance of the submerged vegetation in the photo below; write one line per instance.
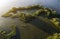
(40, 11)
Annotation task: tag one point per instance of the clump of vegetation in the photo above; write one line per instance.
(56, 22)
(54, 36)
(45, 12)
(5, 35)
(14, 10)
(24, 17)
(29, 7)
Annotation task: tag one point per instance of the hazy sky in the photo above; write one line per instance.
(5, 5)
